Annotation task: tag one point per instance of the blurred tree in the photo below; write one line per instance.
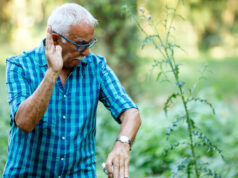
(206, 19)
(213, 22)
(5, 15)
(119, 36)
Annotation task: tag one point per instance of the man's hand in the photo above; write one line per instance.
(53, 53)
(119, 158)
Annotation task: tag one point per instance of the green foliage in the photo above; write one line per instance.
(165, 45)
(173, 125)
(202, 101)
(4, 124)
(207, 142)
(209, 172)
(150, 38)
(186, 162)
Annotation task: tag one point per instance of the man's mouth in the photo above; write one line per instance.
(79, 58)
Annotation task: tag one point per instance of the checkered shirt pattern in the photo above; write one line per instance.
(63, 142)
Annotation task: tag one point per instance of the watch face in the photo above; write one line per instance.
(124, 138)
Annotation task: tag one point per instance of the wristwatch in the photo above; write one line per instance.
(124, 139)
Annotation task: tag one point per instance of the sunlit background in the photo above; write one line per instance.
(208, 33)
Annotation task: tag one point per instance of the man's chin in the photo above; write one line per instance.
(72, 64)
(75, 62)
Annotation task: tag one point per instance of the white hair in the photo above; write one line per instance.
(69, 14)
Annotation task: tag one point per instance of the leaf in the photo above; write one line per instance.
(150, 38)
(173, 125)
(158, 76)
(193, 123)
(174, 146)
(207, 142)
(177, 69)
(173, 95)
(156, 63)
(179, 47)
(209, 172)
(181, 165)
(202, 101)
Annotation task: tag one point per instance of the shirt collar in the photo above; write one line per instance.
(42, 61)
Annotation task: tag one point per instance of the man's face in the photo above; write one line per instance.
(81, 33)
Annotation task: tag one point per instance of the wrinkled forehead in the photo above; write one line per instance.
(81, 31)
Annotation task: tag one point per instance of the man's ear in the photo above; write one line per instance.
(55, 38)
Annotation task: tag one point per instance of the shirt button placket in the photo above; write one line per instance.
(63, 117)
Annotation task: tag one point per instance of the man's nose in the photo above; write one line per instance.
(85, 52)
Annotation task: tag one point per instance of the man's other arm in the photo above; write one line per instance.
(119, 156)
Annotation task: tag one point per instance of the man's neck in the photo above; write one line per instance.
(65, 72)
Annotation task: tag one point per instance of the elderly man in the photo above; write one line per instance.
(53, 92)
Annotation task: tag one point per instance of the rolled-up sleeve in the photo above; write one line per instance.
(112, 94)
(17, 87)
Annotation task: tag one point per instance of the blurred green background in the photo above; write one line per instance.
(209, 35)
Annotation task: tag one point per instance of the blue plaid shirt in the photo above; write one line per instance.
(63, 142)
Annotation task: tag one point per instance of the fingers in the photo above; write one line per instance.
(49, 40)
(49, 29)
(53, 52)
(116, 167)
(119, 158)
(122, 166)
(109, 166)
(58, 49)
(127, 167)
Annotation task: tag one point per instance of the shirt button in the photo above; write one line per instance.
(64, 96)
(64, 117)
(62, 159)
(63, 138)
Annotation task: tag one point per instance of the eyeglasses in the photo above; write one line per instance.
(80, 48)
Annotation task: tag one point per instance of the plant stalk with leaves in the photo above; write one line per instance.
(166, 47)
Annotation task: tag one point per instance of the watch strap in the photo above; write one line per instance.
(124, 139)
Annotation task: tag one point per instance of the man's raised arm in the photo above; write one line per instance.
(34, 107)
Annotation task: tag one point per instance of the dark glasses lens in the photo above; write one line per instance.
(84, 47)
(81, 48)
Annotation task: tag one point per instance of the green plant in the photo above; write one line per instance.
(165, 44)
